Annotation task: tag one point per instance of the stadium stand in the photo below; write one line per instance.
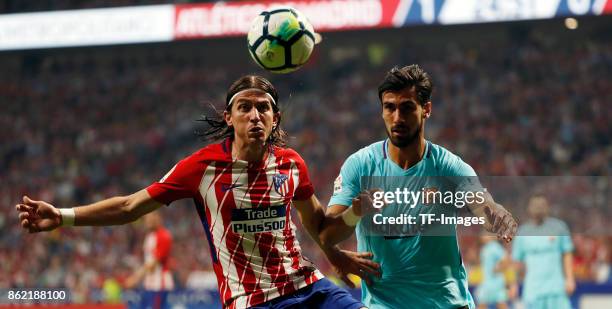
(82, 124)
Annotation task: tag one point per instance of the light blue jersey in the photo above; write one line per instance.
(492, 290)
(541, 248)
(417, 271)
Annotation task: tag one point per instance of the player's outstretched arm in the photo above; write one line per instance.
(37, 216)
(497, 219)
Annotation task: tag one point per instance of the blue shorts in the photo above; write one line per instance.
(154, 300)
(321, 294)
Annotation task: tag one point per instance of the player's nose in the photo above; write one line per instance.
(254, 115)
(397, 118)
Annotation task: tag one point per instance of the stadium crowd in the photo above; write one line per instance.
(83, 125)
(16, 6)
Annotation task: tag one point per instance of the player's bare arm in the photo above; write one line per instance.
(318, 223)
(506, 264)
(342, 230)
(568, 271)
(38, 216)
(347, 218)
(497, 219)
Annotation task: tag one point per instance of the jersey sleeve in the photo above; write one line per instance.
(163, 245)
(454, 166)
(347, 185)
(304, 189)
(461, 174)
(180, 182)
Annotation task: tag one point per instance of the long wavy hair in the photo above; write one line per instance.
(218, 128)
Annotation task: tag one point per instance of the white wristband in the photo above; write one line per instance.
(350, 218)
(68, 216)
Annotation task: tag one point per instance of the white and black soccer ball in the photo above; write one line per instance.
(281, 40)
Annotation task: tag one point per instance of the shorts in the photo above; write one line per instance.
(549, 302)
(321, 294)
(491, 295)
(154, 300)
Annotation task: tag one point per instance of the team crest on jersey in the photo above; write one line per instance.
(338, 184)
(281, 185)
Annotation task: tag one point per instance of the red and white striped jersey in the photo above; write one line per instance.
(157, 246)
(246, 212)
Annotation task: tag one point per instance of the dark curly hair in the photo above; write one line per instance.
(407, 77)
(218, 128)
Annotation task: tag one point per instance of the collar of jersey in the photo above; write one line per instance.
(227, 148)
(412, 168)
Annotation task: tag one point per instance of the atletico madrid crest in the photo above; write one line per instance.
(281, 185)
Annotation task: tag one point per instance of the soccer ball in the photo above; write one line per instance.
(281, 40)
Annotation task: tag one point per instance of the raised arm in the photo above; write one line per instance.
(38, 216)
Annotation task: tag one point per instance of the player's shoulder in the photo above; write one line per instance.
(287, 153)
(525, 229)
(446, 162)
(555, 221)
(552, 222)
(441, 153)
(211, 152)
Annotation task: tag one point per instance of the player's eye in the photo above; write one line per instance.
(389, 107)
(407, 108)
(263, 107)
(243, 107)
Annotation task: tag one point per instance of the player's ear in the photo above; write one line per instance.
(276, 120)
(227, 116)
(427, 110)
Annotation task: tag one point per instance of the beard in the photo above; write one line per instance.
(402, 142)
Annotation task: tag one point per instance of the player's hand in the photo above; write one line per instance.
(500, 222)
(38, 216)
(358, 263)
(363, 204)
(570, 286)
